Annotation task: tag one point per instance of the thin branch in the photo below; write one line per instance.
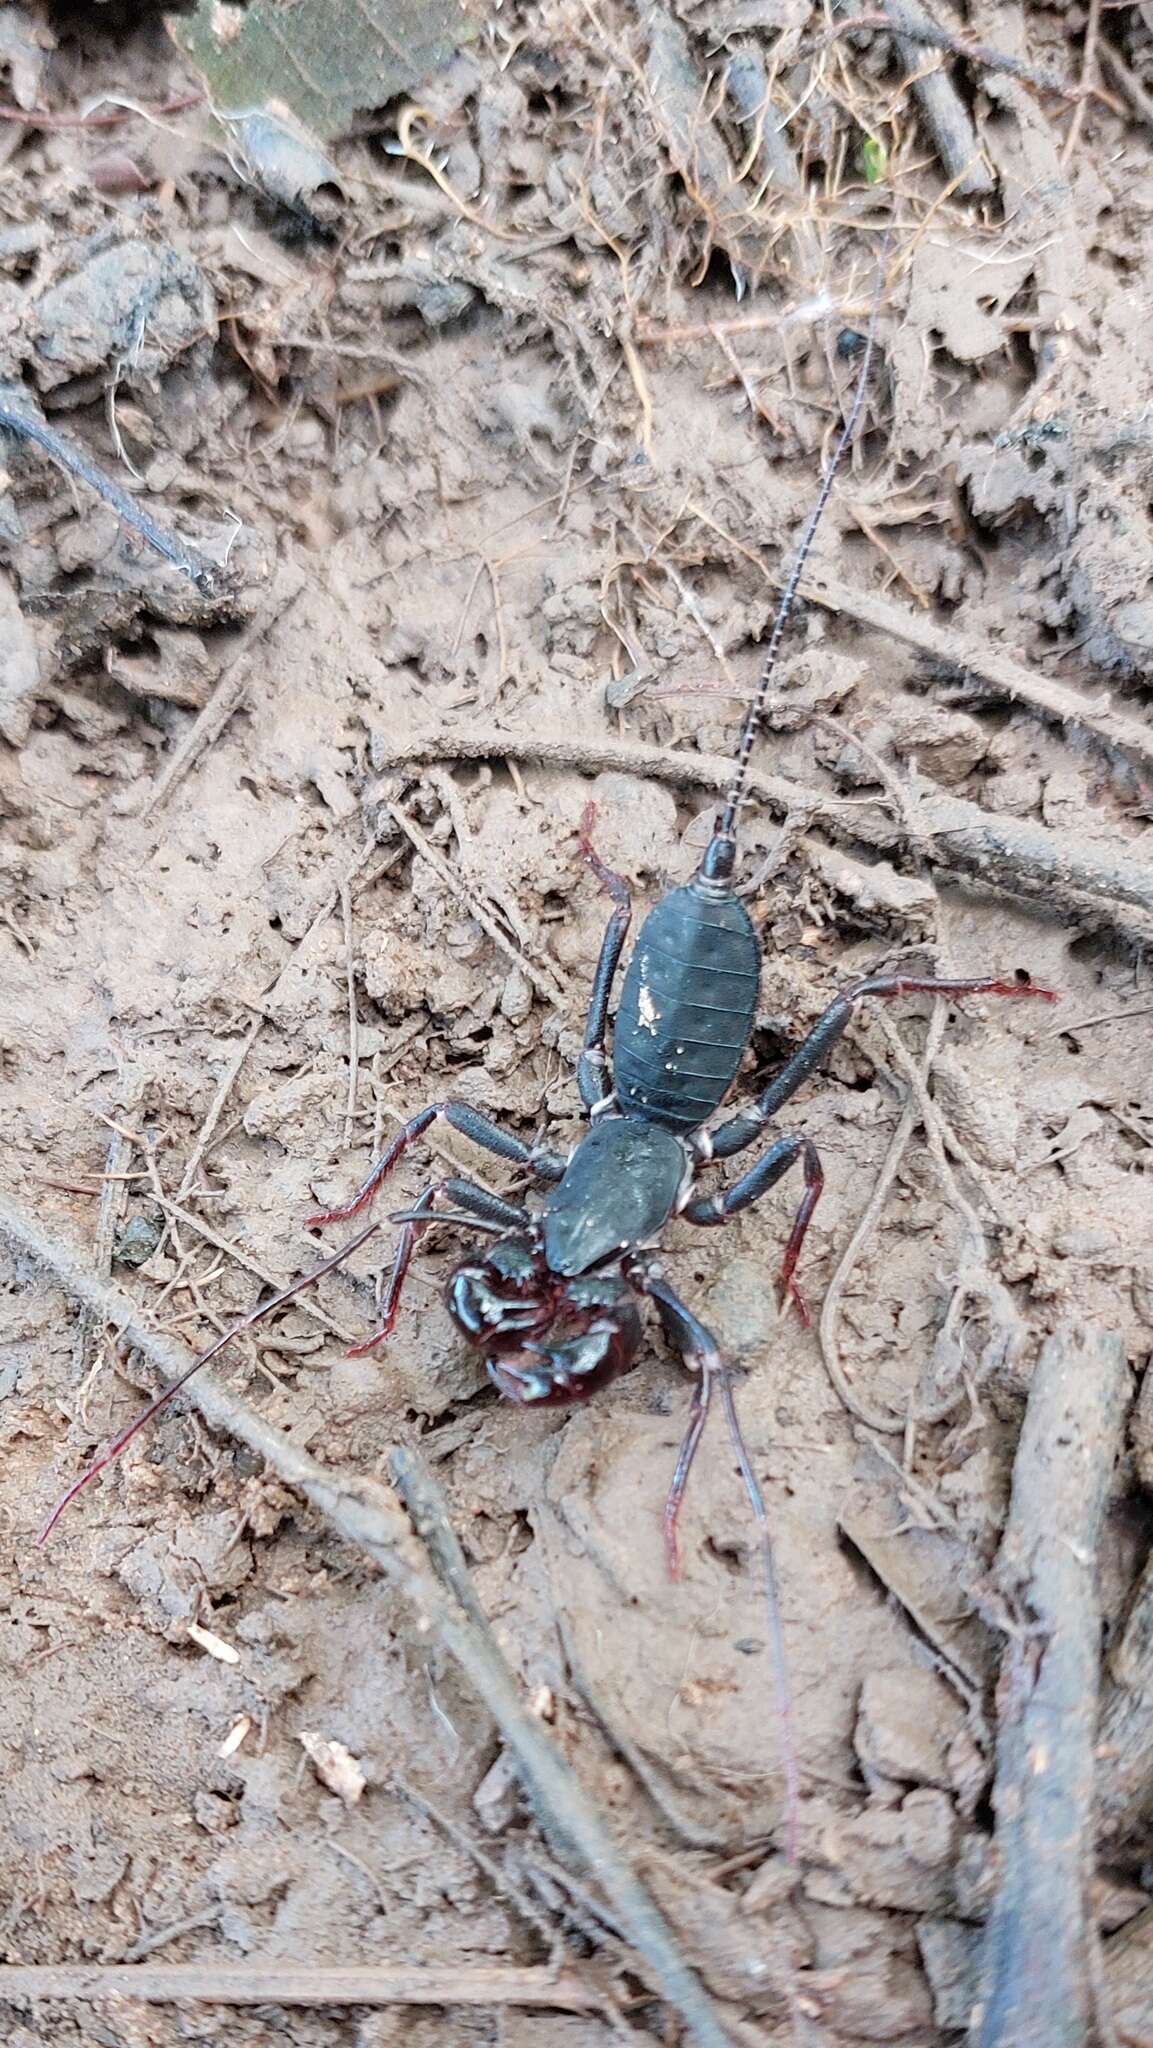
(353, 1017)
(1036, 1976)
(207, 576)
(981, 55)
(978, 660)
(828, 1331)
(312, 1309)
(545, 985)
(282, 1984)
(228, 693)
(1139, 97)
(942, 107)
(1079, 877)
(1088, 66)
(207, 1130)
(41, 117)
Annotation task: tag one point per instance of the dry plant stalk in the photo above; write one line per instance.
(282, 1984)
(1037, 1974)
(1078, 876)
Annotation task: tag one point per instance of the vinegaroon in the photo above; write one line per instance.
(554, 1303)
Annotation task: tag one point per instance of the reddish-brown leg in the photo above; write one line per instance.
(379, 1170)
(760, 1177)
(698, 1347)
(475, 1207)
(390, 1302)
(740, 1130)
(675, 1497)
(460, 1116)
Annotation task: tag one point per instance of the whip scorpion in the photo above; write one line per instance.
(552, 1301)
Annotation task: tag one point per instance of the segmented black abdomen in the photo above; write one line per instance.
(686, 1008)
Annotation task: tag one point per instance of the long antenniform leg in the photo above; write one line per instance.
(700, 1352)
(592, 1066)
(112, 1451)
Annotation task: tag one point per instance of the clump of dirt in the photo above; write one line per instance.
(497, 457)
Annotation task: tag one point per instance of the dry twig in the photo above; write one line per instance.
(312, 1309)
(941, 106)
(1088, 66)
(1079, 877)
(41, 117)
(829, 1326)
(113, 1195)
(1139, 97)
(545, 985)
(676, 95)
(353, 1015)
(983, 663)
(15, 420)
(1036, 1978)
(280, 1983)
(228, 693)
(981, 55)
(224, 1088)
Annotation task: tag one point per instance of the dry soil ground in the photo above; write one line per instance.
(514, 467)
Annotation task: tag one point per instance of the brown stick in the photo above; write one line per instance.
(749, 95)
(1036, 1989)
(941, 107)
(1138, 96)
(768, 151)
(229, 690)
(1088, 66)
(1005, 677)
(1077, 876)
(551, 991)
(1125, 1742)
(311, 1309)
(40, 117)
(677, 102)
(282, 1984)
(363, 1513)
(981, 55)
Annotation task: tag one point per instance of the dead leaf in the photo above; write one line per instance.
(320, 60)
(335, 1766)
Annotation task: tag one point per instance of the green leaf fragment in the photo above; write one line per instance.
(873, 160)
